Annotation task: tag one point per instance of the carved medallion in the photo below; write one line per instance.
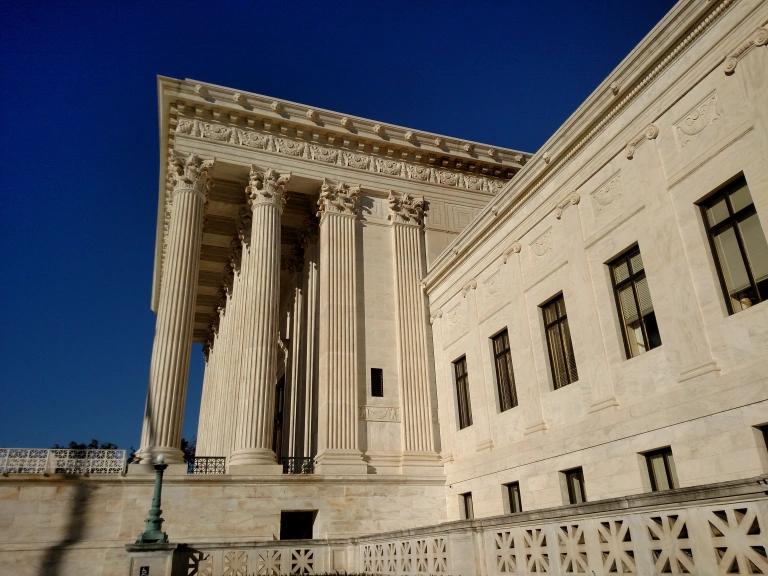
(541, 245)
(607, 193)
(704, 114)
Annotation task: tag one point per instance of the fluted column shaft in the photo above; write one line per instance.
(255, 421)
(338, 450)
(311, 291)
(169, 369)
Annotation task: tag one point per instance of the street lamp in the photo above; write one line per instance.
(153, 533)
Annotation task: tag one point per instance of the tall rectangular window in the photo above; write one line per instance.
(738, 245)
(633, 299)
(574, 479)
(661, 469)
(466, 503)
(515, 503)
(561, 357)
(377, 382)
(505, 379)
(462, 392)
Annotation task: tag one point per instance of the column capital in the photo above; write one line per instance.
(308, 232)
(406, 209)
(337, 198)
(267, 187)
(190, 174)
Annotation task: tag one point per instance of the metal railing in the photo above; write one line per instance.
(207, 465)
(298, 465)
(61, 461)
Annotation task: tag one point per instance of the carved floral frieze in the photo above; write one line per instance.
(380, 413)
(361, 161)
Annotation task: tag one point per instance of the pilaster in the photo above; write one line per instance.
(338, 449)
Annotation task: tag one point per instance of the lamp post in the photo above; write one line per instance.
(153, 533)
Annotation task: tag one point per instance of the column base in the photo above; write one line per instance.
(142, 469)
(254, 461)
(421, 464)
(340, 462)
(149, 455)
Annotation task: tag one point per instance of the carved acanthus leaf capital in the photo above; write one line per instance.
(339, 198)
(268, 187)
(308, 232)
(406, 209)
(190, 174)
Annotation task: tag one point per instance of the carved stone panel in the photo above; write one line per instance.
(693, 124)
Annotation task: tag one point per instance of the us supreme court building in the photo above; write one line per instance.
(427, 355)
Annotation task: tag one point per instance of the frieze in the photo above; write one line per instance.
(607, 193)
(380, 413)
(704, 114)
(361, 161)
(541, 246)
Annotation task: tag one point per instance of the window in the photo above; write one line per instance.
(462, 392)
(505, 379)
(633, 300)
(377, 382)
(764, 430)
(297, 525)
(466, 503)
(513, 494)
(661, 468)
(738, 245)
(561, 356)
(574, 479)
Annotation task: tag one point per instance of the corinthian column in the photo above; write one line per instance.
(253, 452)
(169, 369)
(418, 433)
(338, 451)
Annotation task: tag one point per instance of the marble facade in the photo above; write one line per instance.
(304, 248)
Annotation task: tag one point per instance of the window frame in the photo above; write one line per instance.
(462, 382)
(632, 279)
(514, 502)
(558, 322)
(380, 372)
(468, 506)
(665, 452)
(731, 221)
(507, 354)
(575, 473)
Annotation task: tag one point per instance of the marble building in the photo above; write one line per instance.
(462, 358)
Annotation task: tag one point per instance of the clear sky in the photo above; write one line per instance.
(79, 150)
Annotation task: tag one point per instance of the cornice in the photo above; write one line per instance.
(676, 33)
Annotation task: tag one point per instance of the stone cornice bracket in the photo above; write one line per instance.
(471, 285)
(758, 38)
(650, 133)
(513, 249)
(339, 198)
(572, 200)
(406, 209)
(268, 187)
(435, 316)
(309, 232)
(190, 174)
(244, 219)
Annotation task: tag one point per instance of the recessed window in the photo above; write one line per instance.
(462, 392)
(377, 382)
(633, 299)
(764, 430)
(466, 503)
(574, 480)
(505, 379)
(561, 357)
(297, 525)
(513, 494)
(661, 469)
(738, 245)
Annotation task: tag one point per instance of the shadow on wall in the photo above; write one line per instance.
(53, 561)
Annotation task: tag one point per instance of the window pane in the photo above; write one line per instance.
(755, 246)
(731, 263)
(559, 372)
(628, 306)
(560, 307)
(621, 272)
(644, 296)
(550, 313)
(659, 471)
(637, 263)
(717, 213)
(741, 198)
(576, 486)
(469, 512)
(515, 505)
(673, 483)
(570, 358)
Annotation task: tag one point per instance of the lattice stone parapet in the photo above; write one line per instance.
(337, 198)
(268, 187)
(406, 209)
(61, 461)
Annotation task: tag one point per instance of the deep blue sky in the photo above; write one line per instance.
(79, 150)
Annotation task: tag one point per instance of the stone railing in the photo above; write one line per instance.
(61, 461)
(207, 465)
(298, 465)
(709, 530)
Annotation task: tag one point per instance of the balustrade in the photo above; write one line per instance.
(61, 461)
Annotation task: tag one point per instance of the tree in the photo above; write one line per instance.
(187, 446)
(93, 445)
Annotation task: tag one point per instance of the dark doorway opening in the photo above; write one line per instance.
(297, 525)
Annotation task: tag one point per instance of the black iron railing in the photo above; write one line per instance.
(207, 465)
(298, 465)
